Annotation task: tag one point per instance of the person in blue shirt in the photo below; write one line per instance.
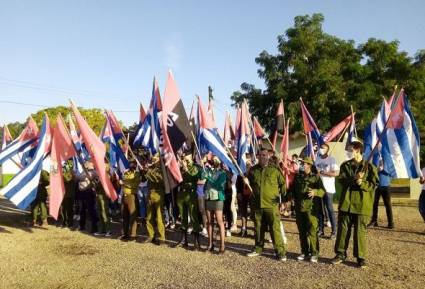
(382, 190)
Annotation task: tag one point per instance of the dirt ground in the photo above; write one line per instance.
(60, 258)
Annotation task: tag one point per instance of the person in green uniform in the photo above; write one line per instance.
(307, 189)
(129, 184)
(187, 201)
(155, 201)
(67, 207)
(38, 206)
(268, 185)
(358, 179)
(104, 218)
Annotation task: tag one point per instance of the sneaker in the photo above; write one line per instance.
(328, 224)
(172, 226)
(301, 257)
(314, 259)
(234, 229)
(189, 230)
(99, 234)
(253, 254)
(228, 233)
(361, 263)
(338, 259)
(333, 236)
(108, 234)
(282, 258)
(269, 241)
(204, 232)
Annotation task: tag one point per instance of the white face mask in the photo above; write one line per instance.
(350, 154)
(322, 152)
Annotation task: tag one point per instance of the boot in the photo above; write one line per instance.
(183, 240)
(196, 242)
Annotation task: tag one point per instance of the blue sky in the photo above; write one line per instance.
(106, 53)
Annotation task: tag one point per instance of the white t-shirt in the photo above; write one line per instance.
(423, 174)
(328, 164)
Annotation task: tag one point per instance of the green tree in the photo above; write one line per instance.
(94, 117)
(330, 75)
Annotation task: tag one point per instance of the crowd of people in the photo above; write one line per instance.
(211, 195)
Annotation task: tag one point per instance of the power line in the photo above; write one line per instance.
(56, 89)
(46, 106)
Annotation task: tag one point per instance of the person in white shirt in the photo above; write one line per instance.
(422, 196)
(328, 169)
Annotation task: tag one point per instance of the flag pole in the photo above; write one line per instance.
(352, 119)
(235, 163)
(197, 149)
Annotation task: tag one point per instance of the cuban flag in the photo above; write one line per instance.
(22, 143)
(148, 134)
(352, 132)
(210, 141)
(115, 125)
(401, 142)
(311, 131)
(117, 159)
(22, 189)
(372, 134)
(243, 146)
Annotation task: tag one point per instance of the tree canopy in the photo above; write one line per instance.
(331, 74)
(94, 117)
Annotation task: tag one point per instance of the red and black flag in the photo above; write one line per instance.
(178, 126)
(280, 124)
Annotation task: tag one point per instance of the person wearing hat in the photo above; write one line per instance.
(268, 185)
(307, 191)
(155, 201)
(358, 179)
(129, 185)
(187, 201)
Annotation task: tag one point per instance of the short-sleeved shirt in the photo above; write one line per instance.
(327, 164)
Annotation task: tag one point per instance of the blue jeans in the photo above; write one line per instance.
(422, 204)
(329, 209)
(142, 195)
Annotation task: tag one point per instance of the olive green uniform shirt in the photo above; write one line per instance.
(354, 198)
(190, 178)
(130, 182)
(302, 183)
(268, 185)
(155, 179)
